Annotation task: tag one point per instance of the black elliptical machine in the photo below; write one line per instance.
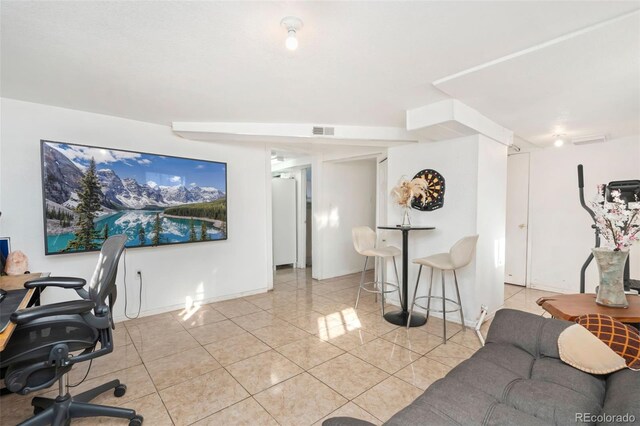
(629, 192)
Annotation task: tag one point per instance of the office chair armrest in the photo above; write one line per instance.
(63, 282)
(25, 316)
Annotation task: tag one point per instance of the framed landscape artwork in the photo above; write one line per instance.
(90, 193)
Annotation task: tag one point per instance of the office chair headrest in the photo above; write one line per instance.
(103, 281)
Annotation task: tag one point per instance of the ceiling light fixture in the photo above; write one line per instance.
(558, 140)
(292, 25)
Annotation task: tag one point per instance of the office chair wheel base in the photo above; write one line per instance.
(119, 391)
(136, 421)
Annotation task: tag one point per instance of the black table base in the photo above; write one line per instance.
(401, 317)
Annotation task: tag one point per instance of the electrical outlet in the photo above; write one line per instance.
(139, 272)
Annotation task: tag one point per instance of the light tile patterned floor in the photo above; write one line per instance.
(293, 356)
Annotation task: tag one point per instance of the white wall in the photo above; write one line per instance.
(173, 275)
(347, 199)
(491, 218)
(560, 234)
(474, 169)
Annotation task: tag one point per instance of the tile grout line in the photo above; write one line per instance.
(158, 392)
(151, 379)
(356, 404)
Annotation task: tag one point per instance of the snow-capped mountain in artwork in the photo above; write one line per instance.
(120, 193)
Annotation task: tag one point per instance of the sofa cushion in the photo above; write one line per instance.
(531, 333)
(481, 375)
(622, 396)
(549, 402)
(508, 328)
(548, 342)
(503, 415)
(553, 370)
(452, 400)
(509, 357)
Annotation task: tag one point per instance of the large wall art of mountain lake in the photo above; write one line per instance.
(129, 193)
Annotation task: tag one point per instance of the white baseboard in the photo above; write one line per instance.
(203, 302)
(345, 273)
(544, 287)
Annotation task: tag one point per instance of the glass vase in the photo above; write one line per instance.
(406, 218)
(611, 268)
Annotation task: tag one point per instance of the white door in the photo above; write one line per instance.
(283, 205)
(517, 219)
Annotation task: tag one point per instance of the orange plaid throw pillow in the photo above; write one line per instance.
(621, 338)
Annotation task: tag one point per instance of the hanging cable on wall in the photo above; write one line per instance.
(126, 297)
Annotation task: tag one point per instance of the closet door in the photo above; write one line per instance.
(517, 231)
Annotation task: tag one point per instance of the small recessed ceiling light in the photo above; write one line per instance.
(292, 25)
(558, 140)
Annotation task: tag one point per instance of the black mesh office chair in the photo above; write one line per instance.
(50, 339)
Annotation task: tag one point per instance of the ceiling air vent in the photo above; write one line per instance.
(323, 131)
(585, 140)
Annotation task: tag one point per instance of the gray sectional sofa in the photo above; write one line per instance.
(518, 379)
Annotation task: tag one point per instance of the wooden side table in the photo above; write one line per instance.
(571, 306)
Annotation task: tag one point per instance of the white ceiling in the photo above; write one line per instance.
(583, 85)
(359, 63)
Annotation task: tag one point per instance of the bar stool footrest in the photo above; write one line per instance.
(430, 309)
(394, 288)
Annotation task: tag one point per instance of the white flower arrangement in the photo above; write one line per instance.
(618, 222)
(407, 189)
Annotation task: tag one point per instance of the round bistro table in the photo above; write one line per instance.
(401, 317)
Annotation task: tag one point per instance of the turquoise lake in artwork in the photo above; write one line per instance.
(174, 230)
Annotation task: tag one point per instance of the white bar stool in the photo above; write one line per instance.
(460, 255)
(364, 241)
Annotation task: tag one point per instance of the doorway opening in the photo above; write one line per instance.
(291, 203)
